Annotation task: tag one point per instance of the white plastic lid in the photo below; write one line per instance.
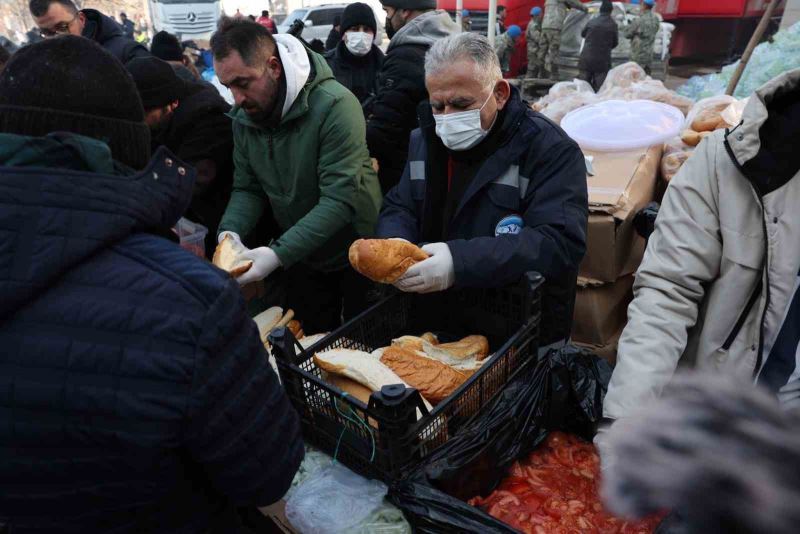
(616, 125)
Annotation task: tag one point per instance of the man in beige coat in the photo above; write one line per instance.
(717, 288)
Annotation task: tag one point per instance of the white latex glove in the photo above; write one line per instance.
(265, 261)
(234, 235)
(603, 450)
(437, 273)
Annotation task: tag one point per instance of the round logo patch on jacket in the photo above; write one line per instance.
(509, 225)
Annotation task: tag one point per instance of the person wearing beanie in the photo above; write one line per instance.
(356, 60)
(266, 21)
(191, 120)
(135, 367)
(601, 36)
(335, 35)
(168, 48)
(555, 11)
(504, 47)
(61, 17)
(413, 26)
(533, 36)
(299, 151)
(642, 33)
(466, 21)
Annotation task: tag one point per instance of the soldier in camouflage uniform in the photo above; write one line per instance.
(555, 11)
(642, 33)
(504, 47)
(532, 37)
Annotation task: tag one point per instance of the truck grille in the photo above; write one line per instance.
(193, 22)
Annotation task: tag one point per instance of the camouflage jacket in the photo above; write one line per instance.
(642, 33)
(533, 33)
(504, 47)
(555, 11)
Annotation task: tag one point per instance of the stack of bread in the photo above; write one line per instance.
(435, 369)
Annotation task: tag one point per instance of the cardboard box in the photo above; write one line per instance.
(607, 351)
(277, 512)
(601, 310)
(623, 183)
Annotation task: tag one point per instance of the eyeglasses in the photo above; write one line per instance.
(62, 28)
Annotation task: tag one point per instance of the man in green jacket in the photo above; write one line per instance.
(299, 147)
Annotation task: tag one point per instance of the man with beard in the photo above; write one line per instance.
(191, 120)
(299, 148)
(413, 26)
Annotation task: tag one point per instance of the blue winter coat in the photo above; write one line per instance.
(135, 394)
(525, 210)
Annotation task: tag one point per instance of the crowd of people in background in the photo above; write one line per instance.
(135, 385)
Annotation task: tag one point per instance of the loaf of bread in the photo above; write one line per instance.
(361, 367)
(267, 320)
(671, 164)
(434, 380)
(384, 260)
(226, 254)
(693, 138)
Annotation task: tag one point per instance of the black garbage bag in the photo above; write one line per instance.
(563, 391)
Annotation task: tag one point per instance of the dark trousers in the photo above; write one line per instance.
(595, 79)
(322, 300)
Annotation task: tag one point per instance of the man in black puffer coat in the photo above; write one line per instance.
(602, 36)
(190, 119)
(136, 395)
(413, 26)
(61, 17)
(355, 61)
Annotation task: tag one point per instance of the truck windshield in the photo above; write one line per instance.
(294, 15)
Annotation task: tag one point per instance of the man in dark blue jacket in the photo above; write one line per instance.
(494, 188)
(61, 17)
(135, 393)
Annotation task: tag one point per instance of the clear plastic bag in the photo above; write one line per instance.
(333, 501)
(675, 154)
(716, 103)
(623, 75)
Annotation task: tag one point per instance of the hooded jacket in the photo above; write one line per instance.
(313, 168)
(135, 392)
(721, 267)
(401, 87)
(109, 35)
(526, 209)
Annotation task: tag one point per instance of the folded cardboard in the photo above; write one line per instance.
(277, 512)
(601, 310)
(622, 184)
(607, 351)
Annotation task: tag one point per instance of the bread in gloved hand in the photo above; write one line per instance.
(384, 260)
(225, 257)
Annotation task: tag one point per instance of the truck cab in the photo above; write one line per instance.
(188, 19)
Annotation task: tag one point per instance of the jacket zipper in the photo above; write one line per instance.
(759, 356)
(271, 149)
(743, 317)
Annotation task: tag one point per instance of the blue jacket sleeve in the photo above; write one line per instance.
(553, 238)
(399, 217)
(242, 429)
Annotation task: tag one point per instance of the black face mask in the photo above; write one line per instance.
(390, 31)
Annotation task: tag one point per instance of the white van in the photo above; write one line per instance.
(188, 19)
(318, 21)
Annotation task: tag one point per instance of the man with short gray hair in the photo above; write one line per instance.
(494, 188)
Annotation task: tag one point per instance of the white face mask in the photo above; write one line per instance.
(358, 43)
(462, 130)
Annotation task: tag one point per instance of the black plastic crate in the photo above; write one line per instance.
(388, 437)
